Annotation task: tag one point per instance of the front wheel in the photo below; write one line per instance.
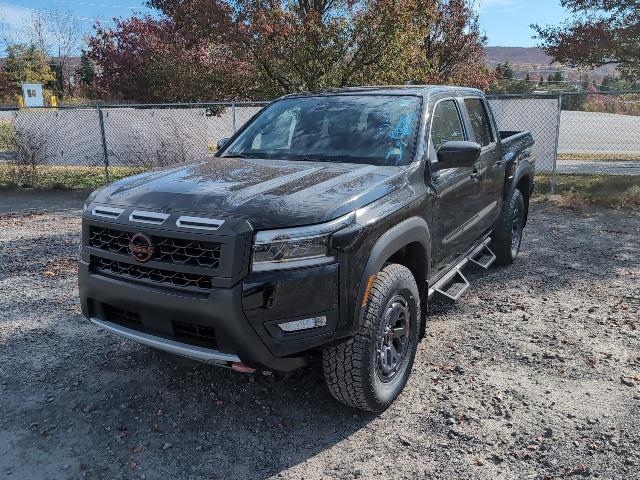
(507, 237)
(370, 370)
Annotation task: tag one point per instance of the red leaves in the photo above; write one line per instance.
(217, 49)
(601, 32)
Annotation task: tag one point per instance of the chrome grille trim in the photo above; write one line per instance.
(108, 212)
(153, 218)
(199, 223)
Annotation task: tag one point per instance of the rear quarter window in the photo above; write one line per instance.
(479, 121)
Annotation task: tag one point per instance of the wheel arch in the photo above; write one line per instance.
(407, 243)
(522, 180)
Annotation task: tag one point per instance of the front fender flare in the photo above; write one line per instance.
(414, 229)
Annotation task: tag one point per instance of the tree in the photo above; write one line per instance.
(146, 59)
(8, 88)
(454, 45)
(86, 71)
(28, 64)
(506, 81)
(58, 34)
(601, 32)
(265, 48)
(504, 70)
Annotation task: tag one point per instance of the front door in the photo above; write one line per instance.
(457, 191)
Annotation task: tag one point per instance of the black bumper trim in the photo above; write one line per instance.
(222, 310)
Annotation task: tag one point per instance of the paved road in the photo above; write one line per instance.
(26, 200)
(593, 132)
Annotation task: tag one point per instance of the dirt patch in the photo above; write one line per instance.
(535, 373)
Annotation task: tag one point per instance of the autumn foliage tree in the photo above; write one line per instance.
(264, 48)
(149, 60)
(601, 32)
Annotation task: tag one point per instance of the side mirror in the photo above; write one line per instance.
(458, 155)
(221, 143)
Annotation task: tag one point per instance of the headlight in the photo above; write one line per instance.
(296, 247)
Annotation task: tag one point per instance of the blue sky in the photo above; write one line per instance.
(506, 22)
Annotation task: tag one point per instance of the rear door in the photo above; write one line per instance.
(457, 189)
(489, 166)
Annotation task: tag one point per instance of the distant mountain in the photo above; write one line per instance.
(535, 62)
(517, 55)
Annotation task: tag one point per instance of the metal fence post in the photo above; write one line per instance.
(233, 114)
(555, 148)
(105, 152)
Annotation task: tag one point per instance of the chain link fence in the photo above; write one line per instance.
(577, 133)
(89, 146)
(537, 114)
(600, 133)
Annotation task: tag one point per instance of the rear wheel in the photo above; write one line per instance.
(507, 237)
(370, 370)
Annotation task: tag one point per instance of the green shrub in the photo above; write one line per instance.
(7, 137)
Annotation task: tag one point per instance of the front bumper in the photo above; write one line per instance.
(244, 317)
(177, 348)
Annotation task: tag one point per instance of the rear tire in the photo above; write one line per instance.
(507, 236)
(370, 370)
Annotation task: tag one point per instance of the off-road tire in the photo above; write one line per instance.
(350, 368)
(505, 244)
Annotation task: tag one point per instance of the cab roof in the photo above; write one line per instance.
(419, 90)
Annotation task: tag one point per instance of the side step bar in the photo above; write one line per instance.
(482, 256)
(453, 285)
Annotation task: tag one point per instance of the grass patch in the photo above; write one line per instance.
(600, 157)
(59, 177)
(613, 191)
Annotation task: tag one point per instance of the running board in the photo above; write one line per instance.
(484, 257)
(453, 285)
(451, 288)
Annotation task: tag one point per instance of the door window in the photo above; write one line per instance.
(479, 120)
(445, 127)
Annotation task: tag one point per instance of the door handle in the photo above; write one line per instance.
(475, 175)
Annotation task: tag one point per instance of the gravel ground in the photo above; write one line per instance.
(535, 373)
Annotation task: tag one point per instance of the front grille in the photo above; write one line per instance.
(195, 334)
(152, 275)
(178, 251)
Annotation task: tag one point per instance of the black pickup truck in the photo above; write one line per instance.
(327, 224)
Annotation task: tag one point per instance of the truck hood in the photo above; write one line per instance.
(267, 193)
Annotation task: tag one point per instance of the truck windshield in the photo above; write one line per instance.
(368, 129)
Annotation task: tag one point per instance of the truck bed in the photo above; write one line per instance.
(514, 143)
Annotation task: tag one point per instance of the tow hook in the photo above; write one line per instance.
(242, 368)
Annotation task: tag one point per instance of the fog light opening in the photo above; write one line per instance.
(304, 324)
